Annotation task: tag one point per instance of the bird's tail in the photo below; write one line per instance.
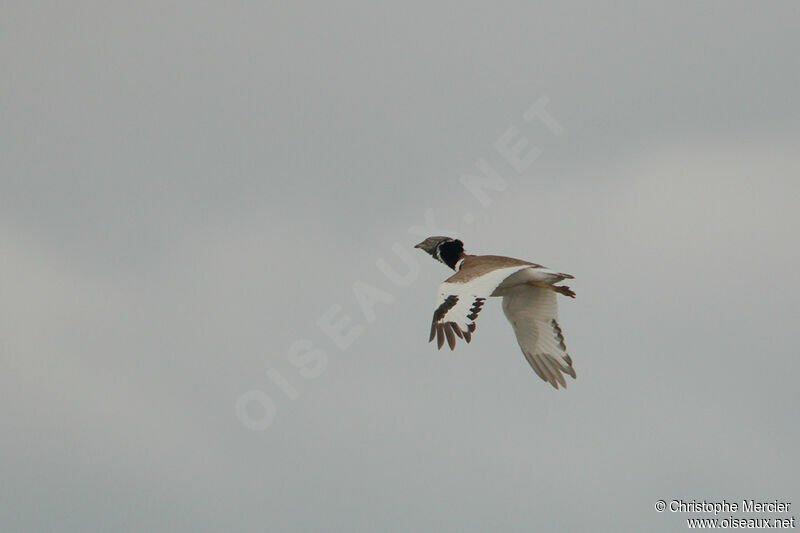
(561, 289)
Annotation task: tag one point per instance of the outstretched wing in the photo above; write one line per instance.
(533, 313)
(460, 302)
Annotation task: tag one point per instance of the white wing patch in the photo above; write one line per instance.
(458, 305)
(533, 313)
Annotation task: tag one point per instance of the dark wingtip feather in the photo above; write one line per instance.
(451, 338)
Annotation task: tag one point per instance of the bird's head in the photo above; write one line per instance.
(445, 249)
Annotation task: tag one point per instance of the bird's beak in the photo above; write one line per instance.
(419, 245)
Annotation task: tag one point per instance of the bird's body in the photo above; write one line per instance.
(529, 303)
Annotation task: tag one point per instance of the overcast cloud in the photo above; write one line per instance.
(187, 189)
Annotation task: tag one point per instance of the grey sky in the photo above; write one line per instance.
(185, 189)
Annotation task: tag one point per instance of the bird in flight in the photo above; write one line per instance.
(529, 303)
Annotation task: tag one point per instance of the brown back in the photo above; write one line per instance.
(478, 265)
